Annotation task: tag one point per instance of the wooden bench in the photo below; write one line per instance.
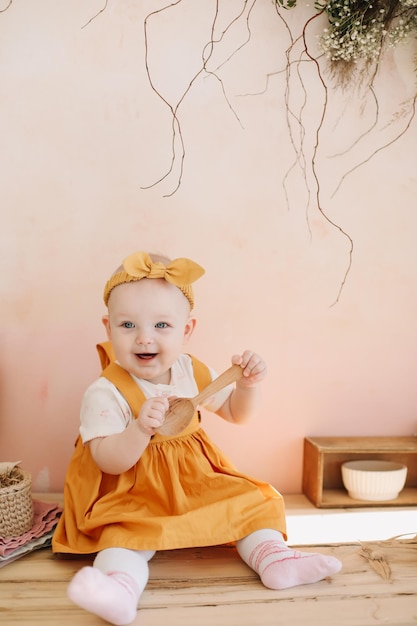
(212, 586)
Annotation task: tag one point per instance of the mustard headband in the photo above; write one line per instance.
(180, 272)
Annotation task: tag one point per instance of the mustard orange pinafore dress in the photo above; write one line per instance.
(183, 492)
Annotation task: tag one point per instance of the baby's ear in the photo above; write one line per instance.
(189, 328)
(106, 324)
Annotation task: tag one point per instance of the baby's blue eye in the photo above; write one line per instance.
(128, 325)
(161, 325)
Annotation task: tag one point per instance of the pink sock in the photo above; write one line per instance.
(280, 567)
(113, 596)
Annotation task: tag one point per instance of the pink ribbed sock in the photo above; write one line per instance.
(112, 587)
(113, 597)
(280, 567)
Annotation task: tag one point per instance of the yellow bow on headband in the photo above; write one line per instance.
(179, 272)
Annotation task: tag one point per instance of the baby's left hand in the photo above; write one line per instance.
(254, 368)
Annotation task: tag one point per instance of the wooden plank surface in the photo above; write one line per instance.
(208, 586)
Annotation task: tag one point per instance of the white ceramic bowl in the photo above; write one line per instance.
(373, 480)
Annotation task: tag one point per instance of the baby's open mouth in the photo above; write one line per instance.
(146, 356)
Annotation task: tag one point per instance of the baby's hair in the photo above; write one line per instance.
(155, 258)
(159, 258)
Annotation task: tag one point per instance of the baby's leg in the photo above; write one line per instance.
(112, 587)
(280, 567)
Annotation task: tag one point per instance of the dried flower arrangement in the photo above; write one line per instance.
(359, 30)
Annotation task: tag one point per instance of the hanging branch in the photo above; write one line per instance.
(6, 7)
(383, 147)
(207, 52)
(299, 149)
(96, 15)
(291, 115)
(314, 169)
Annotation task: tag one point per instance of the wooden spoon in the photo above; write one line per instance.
(181, 410)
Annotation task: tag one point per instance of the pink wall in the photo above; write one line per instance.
(83, 133)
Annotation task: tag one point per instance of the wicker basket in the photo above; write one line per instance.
(16, 506)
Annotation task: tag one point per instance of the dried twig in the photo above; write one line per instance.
(379, 554)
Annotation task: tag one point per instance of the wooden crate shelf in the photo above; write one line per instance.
(323, 457)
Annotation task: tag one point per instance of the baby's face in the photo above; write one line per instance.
(148, 323)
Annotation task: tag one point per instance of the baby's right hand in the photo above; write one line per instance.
(152, 414)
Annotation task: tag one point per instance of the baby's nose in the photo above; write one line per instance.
(144, 338)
